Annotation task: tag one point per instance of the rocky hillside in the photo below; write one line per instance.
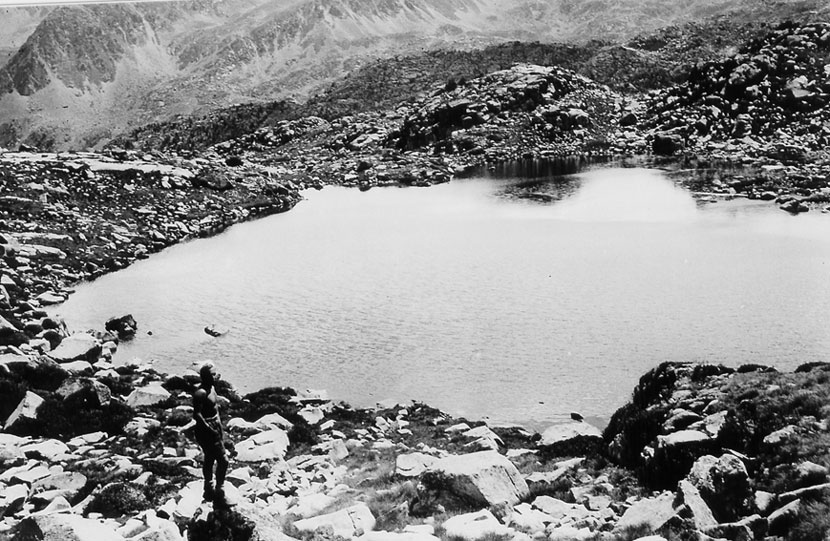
(85, 73)
(777, 82)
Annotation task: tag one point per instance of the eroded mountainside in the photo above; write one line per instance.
(85, 73)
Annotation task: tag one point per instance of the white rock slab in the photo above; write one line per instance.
(269, 445)
(149, 395)
(350, 522)
(474, 526)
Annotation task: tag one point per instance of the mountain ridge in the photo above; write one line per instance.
(134, 64)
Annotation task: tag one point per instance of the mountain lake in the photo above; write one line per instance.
(521, 294)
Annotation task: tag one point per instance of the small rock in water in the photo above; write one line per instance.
(215, 330)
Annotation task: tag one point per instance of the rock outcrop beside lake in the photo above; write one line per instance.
(702, 450)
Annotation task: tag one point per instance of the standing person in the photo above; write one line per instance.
(209, 433)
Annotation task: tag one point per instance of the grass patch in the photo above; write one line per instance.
(814, 524)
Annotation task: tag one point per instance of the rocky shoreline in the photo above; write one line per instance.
(96, 451)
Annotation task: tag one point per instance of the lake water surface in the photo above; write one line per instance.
(517, 299)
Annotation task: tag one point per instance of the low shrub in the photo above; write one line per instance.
(632, 428)
(119, 499)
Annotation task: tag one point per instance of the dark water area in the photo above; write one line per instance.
(521, 293)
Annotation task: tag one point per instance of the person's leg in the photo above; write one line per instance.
(207, 470)
(221, 470)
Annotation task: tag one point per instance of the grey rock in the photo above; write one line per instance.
(809, 474)
(149, 395)
(694, 507)
(724, 484)
(680, 420)
(90, 390)
(124, 327)
(26, 409)
(77, 347)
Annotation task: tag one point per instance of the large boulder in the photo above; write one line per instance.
(10, 453)
(243, 521)
(12, 498)
(350, 522)
(212, 180)
(651, 512)
(124, 327)
(269, 445)
(809, 474)
(26, 409)
(781, 520)
(11, 335)
(666, 144)
(65, 484)
(693, 507)
(485, 477)
(574, 438)
(77, 347)
(38, 371)
(87, 390)
(724, 485)
(149, 395)
(674, 456)
(64, 527)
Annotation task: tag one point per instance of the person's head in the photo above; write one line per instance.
(208, 373)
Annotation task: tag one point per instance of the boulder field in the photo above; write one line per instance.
(91, 450)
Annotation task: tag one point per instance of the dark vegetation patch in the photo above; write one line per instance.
(119, 499)
(65, 419)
